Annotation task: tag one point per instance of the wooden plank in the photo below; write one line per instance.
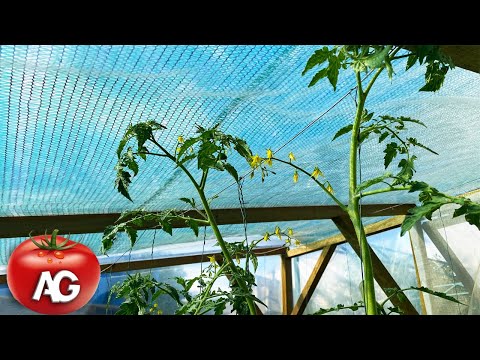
(417, 242)
(313, 280)
(381, 274)
(172, 261)
(287, 290)
(449, 255)
(371, 229)
(21, 226)
(464, 56)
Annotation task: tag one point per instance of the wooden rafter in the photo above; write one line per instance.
(371, 229)
(382, 276)
(464, 56)
(18, 226)
(173, 261)
(287, 290)
(313, 280)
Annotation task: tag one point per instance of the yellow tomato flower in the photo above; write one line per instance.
(316, 172)
(269, 154)
(151, 310)
(278, 232)
(297, 242)
(178, 149)
(295, 176)
(269, 162)
(255, 161)
(291, 156)
(330, 189)
(155, 305)
(180, 139)
(266, 237)
(159, 312)
(290, 232)
(212, 259)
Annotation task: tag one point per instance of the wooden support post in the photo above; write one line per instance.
(313, 280)
(420, 259)
(287, 291)
(381, 274)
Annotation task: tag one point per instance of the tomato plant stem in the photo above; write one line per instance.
(353, 204)
(213, 225)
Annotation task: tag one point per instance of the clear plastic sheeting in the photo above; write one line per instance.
(268, 289)
(447, 254)
(341, 281)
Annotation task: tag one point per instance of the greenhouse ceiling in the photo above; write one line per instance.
(65, 108)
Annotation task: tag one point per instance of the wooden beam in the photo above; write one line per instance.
(21, 226)
(464, 56)
(371, 229)
(287, 290)
(417, 244)
(449, 255)
(173, 261)
(313, 280)
(382, 276)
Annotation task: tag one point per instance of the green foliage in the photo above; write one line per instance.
(391, 293)
(212, 150)
(369, 57)
(437, 62)
(211, 147)
(388, 129)
(138, 291)
(335, 59)
(131, 221)
(354, 307)
(431, 200)
(366, 184)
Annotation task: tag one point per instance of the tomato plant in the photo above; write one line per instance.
(50, 274)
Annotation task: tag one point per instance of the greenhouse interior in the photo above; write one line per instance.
(240, 179)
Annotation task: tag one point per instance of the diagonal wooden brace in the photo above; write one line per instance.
(381, 274)
(313, 280)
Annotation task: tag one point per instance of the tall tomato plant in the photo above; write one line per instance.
(375, 59)
(212, 149)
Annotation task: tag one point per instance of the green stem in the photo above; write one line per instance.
(214, 226)
(200, 221)
(379, 71)
(379, 191)
(226, 253)
(209, 287)
(398, 137)
(353, 205)
(342, 206)
(203, 181)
